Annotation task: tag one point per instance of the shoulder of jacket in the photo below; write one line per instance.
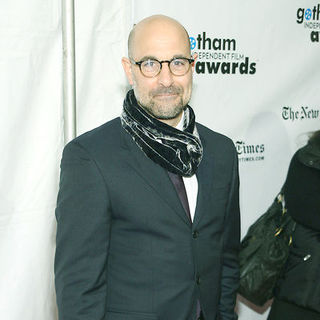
(106, 131)
(309, 155)
(216, 139)
(103, 137)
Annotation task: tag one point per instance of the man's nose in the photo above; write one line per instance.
(165, 76)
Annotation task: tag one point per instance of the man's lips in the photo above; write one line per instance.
(165, 95)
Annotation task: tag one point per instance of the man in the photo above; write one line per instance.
(133, 241)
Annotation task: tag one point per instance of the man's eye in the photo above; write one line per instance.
(149, 64)
(178, 62)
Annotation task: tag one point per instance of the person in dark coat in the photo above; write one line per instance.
(297, 293)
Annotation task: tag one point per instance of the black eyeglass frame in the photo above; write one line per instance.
(139, 63)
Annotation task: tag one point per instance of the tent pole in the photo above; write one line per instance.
(69, 75)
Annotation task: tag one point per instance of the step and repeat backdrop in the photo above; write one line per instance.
(257, 80)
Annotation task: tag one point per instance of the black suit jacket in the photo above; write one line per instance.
(125, 247)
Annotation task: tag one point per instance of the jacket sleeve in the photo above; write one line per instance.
(83, 228)
(231, 245)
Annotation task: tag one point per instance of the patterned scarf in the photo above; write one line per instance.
(177, 151)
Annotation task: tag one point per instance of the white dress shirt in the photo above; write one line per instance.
(190, 183)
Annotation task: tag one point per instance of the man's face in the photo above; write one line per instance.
(165, 95)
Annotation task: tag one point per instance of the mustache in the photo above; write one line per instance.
(166, 90)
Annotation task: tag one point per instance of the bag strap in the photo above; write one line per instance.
(281, 199)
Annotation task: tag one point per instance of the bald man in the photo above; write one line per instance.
(147, 211)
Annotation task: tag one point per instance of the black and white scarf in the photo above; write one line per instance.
(177, 151)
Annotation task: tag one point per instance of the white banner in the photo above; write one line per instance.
(256, 81)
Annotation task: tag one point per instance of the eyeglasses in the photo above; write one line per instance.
(151, 67)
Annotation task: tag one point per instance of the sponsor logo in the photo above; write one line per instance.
(250, 152)
(193, 43)
(220, 56)
(301, 113)
(310, 19)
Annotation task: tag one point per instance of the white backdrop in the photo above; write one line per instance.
(262, 92)
(30, 86)
(32, 132)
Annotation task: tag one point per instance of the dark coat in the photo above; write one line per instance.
(299, 283)
(125, 247)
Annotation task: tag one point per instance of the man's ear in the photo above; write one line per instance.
(126, 64)
(195, 57)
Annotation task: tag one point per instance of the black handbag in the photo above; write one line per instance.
(264, 251)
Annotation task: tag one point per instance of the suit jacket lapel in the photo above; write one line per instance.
(205, 181)
(153, 174)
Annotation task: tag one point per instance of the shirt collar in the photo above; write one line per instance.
(179, 126)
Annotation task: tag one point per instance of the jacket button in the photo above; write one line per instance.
(195, 234)
(198, 280)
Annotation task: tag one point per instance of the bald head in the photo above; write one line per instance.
(153, 26)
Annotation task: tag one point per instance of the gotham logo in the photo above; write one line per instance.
(220, 56)
(302, 113)
(310, 19)
(249, 152)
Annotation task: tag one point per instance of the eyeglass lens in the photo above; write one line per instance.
(151, 68)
